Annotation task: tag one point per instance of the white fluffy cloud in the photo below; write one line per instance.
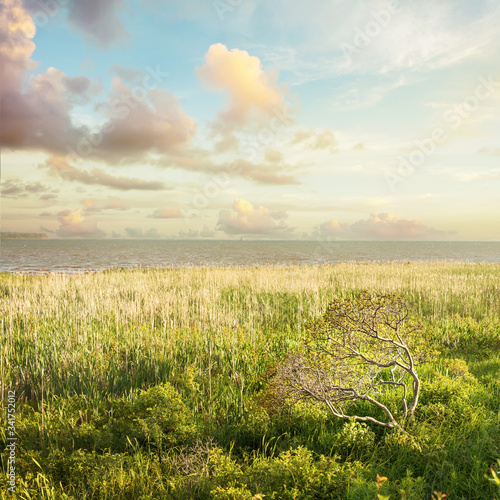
(252, 92)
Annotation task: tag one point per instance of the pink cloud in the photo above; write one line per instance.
(112, 203)
(72, 224)
(379, 226)
(139, 121)
(389, 226)
(37, 114)
(246, 219)
(167, 213)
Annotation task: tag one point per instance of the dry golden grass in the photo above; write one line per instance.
(221, 296)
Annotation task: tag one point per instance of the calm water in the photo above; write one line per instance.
(42, 256)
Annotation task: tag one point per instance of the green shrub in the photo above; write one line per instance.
(298, 474)
(156, 416)
(354, 439)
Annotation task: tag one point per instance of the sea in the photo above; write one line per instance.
(79, 256)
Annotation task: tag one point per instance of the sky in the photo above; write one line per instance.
(229, 119)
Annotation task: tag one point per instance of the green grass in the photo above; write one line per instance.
(153, 384)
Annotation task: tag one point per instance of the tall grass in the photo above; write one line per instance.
(80, 343)
(120, 330)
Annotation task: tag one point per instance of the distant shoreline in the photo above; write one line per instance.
(437, 264)
(23, 236)
(40, 256)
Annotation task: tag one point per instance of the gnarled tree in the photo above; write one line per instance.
(358, 350)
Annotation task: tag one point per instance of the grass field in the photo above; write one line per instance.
(154, 384)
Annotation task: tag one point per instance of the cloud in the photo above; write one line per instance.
(207, 233)
(254, 98)
(72, 224)
(493, 151)
(333, 228)
(98, 176)
(38, 114)
(251, 90)
(389, 226)
(324, 140)
(45, 214)
(136, 233)
(273, 156)
(54, 84)
(190, 234)
(379, 226)
(112, 203)
(225, 137)
(301, 135)
(152, 233)
(37, 117)
(16, 45)
(15, 188)
(139, 121)
(423, 35)
(261, 173)
(98, 20)
(264, 173)
(115, 203)
(130, 75)
(245, 219)
(485, 175)
(90, 204)
(167, 213)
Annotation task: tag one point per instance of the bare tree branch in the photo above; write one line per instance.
(357, 351)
